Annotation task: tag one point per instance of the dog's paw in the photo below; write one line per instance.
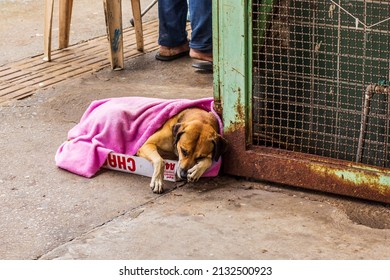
(194, 173)
(158, 175)
(157, 185)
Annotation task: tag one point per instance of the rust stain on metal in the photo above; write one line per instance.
(357, 178)
(239, 108)
(218, 106)
(239, 115)
(307, 171)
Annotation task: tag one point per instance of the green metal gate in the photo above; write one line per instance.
(304, 89)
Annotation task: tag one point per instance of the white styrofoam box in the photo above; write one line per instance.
(140, 166)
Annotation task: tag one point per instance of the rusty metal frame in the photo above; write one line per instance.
(233, 95)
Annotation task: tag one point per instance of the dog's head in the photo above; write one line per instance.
(196, 142)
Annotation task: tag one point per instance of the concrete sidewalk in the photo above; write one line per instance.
(48, 213)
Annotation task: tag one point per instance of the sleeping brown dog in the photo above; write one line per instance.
(192, 135)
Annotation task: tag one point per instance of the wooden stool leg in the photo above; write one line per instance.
(49, 4)
(139, 36)
(65, 15)
(113, 13)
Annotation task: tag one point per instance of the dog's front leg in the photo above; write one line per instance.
(149, 151)
(199, 168)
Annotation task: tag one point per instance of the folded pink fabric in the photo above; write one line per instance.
(121, 125)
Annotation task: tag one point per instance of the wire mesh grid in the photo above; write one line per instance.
(321, 78)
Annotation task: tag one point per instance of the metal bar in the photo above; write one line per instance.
(232, 79)
(216, 71)
(144, 11)
(366, 110)
(370, 91)
(306, 171)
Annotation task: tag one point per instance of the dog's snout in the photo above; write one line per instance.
(183, 174)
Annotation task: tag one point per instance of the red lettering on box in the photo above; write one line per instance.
(121, 162)
(111, 160)
(169, 166)
(131, 166)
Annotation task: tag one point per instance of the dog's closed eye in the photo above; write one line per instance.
(184, 152)
(200, 158)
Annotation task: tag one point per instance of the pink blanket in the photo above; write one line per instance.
(120, 125)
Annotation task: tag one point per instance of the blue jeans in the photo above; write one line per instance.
(172, 23)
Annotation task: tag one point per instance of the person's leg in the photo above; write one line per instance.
(172, 39)
(201, 25)
(172, 22)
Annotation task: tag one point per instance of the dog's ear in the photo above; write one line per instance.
(177, 131)
(220, 146)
